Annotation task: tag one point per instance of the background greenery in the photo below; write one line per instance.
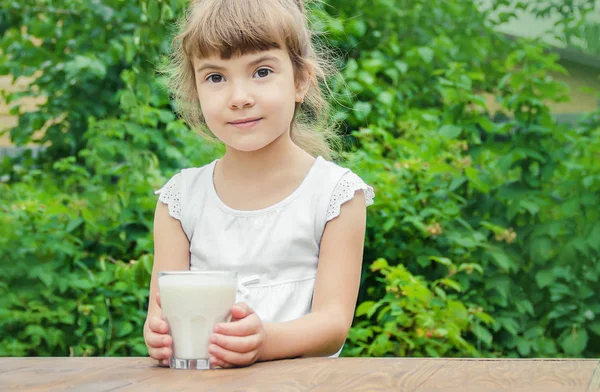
(485, 236)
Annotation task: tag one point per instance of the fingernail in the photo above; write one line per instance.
(217, 328)
(212, 339)
(212, 348)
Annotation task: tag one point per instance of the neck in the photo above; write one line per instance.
(269, 159)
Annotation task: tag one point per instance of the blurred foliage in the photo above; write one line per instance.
(416, 317)
(76, 243)
(572, 15)
(513, 192)
(484, 240)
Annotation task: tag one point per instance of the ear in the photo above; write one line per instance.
(303, 82)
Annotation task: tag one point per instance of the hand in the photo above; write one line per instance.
(239, 342)
(157, 338)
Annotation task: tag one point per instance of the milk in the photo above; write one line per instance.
(192, 303)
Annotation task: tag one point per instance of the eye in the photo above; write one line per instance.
(214, 78)
(263, 73)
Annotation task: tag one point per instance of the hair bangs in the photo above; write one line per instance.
(228, 28)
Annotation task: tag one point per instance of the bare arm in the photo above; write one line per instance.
(324, 330)
(171, 252)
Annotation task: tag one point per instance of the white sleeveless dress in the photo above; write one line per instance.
(275, 250)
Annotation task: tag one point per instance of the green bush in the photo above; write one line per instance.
(75, 239)
(415, 317)
(75, 246)
(497, 190)
(484, 238)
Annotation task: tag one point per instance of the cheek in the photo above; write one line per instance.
(280, 100)
(209, 106)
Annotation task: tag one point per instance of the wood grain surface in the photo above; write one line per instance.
(312, 374)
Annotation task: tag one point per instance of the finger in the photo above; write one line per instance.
(237, 344)
(159, 353)
(158, 299)
(240, 311)
(247, 326)
(163, 362)
(158, 340)
(158, 325)
(217, 363)
(233, 358)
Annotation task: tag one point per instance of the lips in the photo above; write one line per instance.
(246, 122)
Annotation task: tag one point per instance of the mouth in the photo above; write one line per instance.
(246, 122)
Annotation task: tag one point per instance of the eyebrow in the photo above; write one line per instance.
(252, 63)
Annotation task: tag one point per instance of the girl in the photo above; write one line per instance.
(273, 207)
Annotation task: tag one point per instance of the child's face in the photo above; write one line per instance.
(258, 86)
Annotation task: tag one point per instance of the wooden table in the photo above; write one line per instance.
(315, 374)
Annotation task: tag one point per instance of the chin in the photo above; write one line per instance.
(247, 147)
(251, 144)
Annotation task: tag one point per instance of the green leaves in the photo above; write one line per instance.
(479, 216)
(75, 242)
(426, 54)
(475, 180)
(450, 131)
(511, 195)
(82, 66)
(573, 341)
(593, 239)
(362, 110)
(367, 308)
(502, 260)
(417, 316)
(545, 278)
(483, 334)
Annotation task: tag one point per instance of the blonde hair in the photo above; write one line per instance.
(229, 28)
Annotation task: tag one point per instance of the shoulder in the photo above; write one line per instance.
(331, 170)
(193, 174)
(175, 191)
(339, 172)
(185, 177)
(347, 184)
(346, 179)
(334, 187)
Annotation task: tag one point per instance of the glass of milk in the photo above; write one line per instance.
(192, 303)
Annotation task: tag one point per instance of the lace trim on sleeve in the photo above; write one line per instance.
(345, 190)
(170, 194)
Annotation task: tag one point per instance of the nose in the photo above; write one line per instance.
(241, 97)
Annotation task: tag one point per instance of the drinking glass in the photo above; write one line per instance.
(192, 303)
